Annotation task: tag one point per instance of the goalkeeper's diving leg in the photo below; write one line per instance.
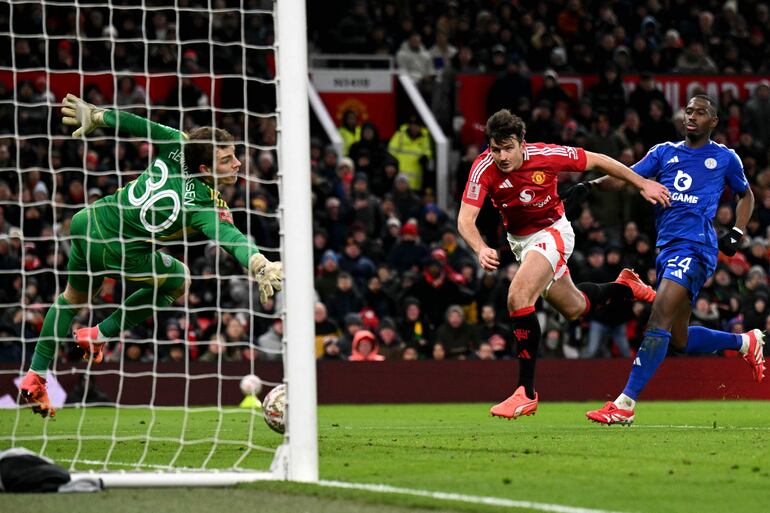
(163, 279)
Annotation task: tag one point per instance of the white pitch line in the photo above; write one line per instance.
(472, 499)
(710, 428)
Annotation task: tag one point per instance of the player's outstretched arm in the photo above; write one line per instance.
(218, 228)
(650, 190)
(87, 118)
(466, 225)
(731, 241)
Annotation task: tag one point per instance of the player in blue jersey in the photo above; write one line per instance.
(696, 172)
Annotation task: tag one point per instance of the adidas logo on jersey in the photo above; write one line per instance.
(506, 184)
(637, 361)
(674, 160)
(677, 273)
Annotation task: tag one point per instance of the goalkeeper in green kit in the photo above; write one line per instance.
(176, 196)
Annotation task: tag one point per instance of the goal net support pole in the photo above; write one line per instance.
(299, 460)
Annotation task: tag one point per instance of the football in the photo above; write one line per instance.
(274, 409)
(251, 384)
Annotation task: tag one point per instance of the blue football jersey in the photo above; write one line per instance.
(696, 178)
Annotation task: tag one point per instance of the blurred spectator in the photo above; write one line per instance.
(391, 345)
(365, 348)
(414, 329)
(609, 93)
(412, 146)
(694, 60)
(350, 130)
(406, 201)
(658, 128)
(644, 94)
(216, 350)
(509, 88)
(484, 352)
(599, 334)
(345, 298)
(497, 335)
(756, 115)
(270, 343)
(442, 52)
(414, 59)
(438, 352)
(331, 350)
(408, 253)
(455, 335)
(324, 327)
(368, 146)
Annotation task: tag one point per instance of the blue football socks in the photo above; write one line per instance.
(651, 354)
(704, 340)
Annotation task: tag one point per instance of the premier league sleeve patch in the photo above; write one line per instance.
(474, 189)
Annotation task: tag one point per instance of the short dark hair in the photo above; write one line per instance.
(711, 101)
(199, 148)
(503, 125)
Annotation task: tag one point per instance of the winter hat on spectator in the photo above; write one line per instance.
(40, 187)
(550, 73)
(401, 177)
(92, 158)
(409, 229)
(329, 255)
(387, 323)
(393, 221)
(353, 318)
(94, 191)
(456, 309)
(432, 208)
(346, 162)
(370, 319)
(332, 202)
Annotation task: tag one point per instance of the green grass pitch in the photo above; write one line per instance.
(679, 457)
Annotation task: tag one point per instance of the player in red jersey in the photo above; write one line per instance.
(520, 179)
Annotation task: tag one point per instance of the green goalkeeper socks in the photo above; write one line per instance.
(56, 327)
(131, 313)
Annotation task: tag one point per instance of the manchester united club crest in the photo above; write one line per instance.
(538, 177)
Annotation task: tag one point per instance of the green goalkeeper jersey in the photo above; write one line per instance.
(163, 203)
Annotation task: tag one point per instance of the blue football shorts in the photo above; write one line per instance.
(687, 263)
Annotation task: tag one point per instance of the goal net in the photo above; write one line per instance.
(166, 403)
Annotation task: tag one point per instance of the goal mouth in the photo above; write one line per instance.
(113, 214)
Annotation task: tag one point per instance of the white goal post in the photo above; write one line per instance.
(296, 458)
(294, 158)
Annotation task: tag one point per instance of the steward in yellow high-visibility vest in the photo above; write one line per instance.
(411, 145)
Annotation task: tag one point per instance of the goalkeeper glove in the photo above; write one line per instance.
(573, 197)
(83, 115)
(730, 241)
(267, 274)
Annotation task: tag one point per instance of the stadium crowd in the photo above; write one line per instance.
(393, 279)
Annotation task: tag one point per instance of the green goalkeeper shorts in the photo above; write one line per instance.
(96, 255)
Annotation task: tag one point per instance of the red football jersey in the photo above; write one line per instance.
(526, 197)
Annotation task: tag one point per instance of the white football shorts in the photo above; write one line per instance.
(555, 243)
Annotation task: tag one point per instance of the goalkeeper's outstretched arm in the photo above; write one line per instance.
(87, 118)
(219, 229)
